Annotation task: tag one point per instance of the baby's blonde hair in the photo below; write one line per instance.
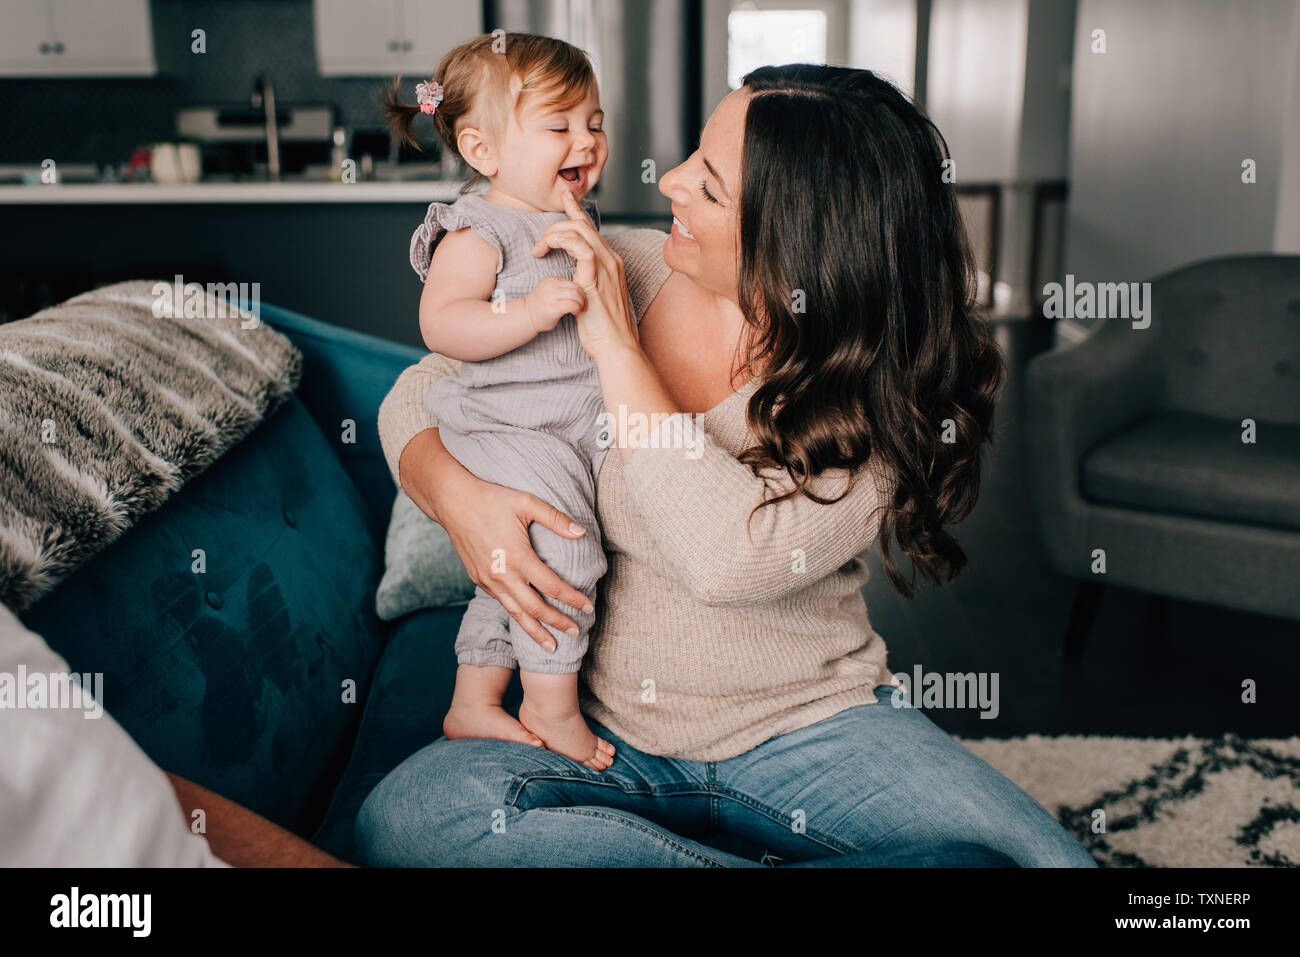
(477, 90)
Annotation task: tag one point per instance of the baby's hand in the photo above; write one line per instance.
(551, 300)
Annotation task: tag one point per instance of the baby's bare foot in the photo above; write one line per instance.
(485, 720)
(565, 732)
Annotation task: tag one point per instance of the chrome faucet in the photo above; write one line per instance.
(263, 98)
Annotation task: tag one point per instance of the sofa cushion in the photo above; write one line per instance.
(408, 700)
(227, 623)
(345, 376)
(1183, 463)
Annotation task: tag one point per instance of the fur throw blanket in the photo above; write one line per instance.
(109, 403)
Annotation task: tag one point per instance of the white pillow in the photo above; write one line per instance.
(78, 792)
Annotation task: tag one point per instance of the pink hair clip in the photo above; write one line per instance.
(429, 96)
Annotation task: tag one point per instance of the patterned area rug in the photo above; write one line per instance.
(1143, 802)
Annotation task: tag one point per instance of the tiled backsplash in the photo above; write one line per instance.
(82, 119)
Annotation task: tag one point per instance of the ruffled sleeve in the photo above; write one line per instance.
(442, 218)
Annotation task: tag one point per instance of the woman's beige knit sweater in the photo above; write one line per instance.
(709, 641)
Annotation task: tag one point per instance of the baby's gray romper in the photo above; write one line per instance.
(528, 420)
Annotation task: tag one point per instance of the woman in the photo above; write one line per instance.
(811, 309)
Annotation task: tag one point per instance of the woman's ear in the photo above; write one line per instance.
(475, 151)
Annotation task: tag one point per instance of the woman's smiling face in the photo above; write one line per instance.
(705, 193)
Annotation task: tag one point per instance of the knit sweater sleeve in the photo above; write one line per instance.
(403, 415)
(695, 498)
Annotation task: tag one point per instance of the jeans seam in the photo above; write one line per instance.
(520, 780)
(711, 771)
(620, 819)
(818, 836)
(710, 788)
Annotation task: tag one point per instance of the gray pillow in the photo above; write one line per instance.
(422, 569)
(112, 401)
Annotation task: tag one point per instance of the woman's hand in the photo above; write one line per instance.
(487, 517)
(607, 323)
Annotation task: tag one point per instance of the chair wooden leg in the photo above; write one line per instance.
(1087, 600)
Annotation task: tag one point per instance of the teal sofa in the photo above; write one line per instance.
(235, 627)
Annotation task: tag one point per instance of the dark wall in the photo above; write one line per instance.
(344, 263)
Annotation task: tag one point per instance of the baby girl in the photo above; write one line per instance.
(524, 112)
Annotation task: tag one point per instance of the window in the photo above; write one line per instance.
(773, 37)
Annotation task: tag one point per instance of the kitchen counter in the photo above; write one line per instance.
(287, 191)
(336, 252)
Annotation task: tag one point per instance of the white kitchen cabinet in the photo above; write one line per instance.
(26, 27)
(76, 38)
(386, 37)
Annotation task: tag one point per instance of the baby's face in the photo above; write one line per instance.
(548, 152)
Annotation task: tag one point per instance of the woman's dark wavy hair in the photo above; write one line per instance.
(857, 283)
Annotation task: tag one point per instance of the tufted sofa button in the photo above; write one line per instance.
(290, 519)
(213, 599)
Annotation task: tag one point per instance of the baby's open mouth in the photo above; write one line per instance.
(572, 173)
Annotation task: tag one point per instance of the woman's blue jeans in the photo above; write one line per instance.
(875, 785)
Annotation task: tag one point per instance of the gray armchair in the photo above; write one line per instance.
(1135, 444)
